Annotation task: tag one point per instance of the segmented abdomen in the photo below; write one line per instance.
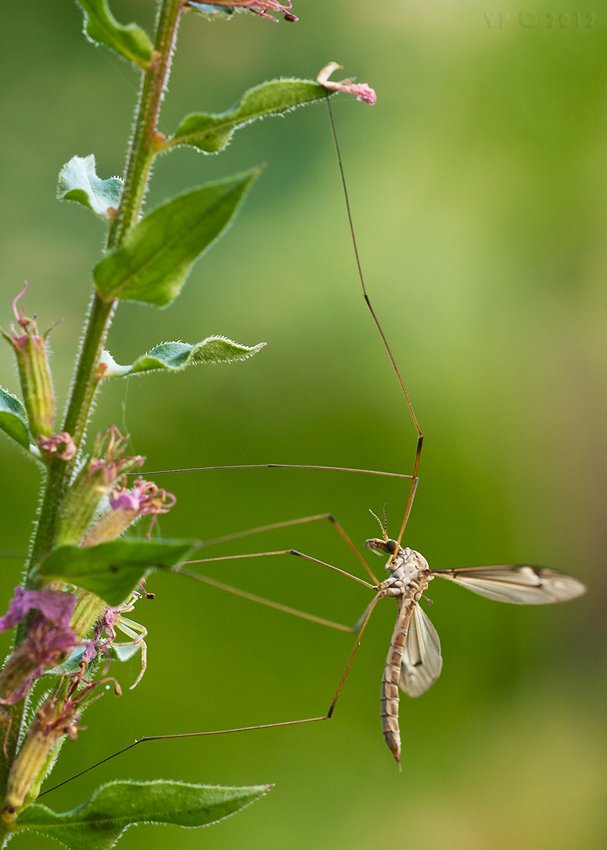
(390, 679)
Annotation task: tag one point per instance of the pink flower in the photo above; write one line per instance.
(362, 91)
(60, 445)
(126, 506)
(145, 498)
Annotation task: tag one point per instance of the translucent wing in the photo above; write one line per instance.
(422, 662)
(518, 584)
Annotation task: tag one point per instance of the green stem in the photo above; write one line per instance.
(143, 148)
(141, 154)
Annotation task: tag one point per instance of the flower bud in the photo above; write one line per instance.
(30, 766)
(126, 506)
(34, 371)
(58, 716)
(97, 477)
(53, 721)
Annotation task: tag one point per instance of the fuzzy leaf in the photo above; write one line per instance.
(99, 823)
(157, 254)
(174, 356)
(101, 27)
(210, 11)
(211, 133)
(78, 181)
(13, 418)
(72, 664)
(112, 570)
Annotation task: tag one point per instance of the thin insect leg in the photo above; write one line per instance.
(326, 716)
(412, 490)
(278, 552)
(358, 625)
(276, 605)
(356, 645)
(275, 466)
(420, 436)
(182, 735)
(228, 537)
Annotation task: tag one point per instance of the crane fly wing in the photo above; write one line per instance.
(519, 584)
(422, 662)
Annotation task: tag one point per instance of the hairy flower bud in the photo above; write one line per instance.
(46, 732)
(126, 506)
(34, 371)
(97, 478)
(58, 716)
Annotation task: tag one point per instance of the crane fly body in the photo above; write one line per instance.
(414, 659)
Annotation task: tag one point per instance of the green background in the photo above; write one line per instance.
(479, 189)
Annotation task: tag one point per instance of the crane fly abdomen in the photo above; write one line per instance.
(390, 680)
(409, 577)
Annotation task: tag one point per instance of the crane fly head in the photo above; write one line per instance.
(384, 545)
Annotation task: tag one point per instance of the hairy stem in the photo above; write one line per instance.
(141, 154)
(143, 147)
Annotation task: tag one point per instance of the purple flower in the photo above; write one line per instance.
(362, 91)
(54, 605)
(49, 638)
(145, 498)
(96, 644)
(124, 500)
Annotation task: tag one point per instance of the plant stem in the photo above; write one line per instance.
(143, 149)
(141, 154)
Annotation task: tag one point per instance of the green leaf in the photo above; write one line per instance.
(157, 254)
(174, 356)
(211, 133)
(73, 663)
(210, 11)
(13, 418)
(99, 823)
(112, 570)
(101, 27)
(78, 181)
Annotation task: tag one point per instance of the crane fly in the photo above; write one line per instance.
(414, 659)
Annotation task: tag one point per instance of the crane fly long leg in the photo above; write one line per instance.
(277, 466)
(300, 521)
(276, 605)
(143, 740)
(413, 489)
(278, 552)
(182, 735)
(420, 436)
(368, 613)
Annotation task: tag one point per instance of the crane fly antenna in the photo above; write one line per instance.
(384, 527)
(420, 436)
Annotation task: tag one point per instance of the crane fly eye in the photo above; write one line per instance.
(391, 546)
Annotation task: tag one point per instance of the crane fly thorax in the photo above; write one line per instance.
(409, 575)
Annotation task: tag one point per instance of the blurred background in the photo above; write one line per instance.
(479, 191)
